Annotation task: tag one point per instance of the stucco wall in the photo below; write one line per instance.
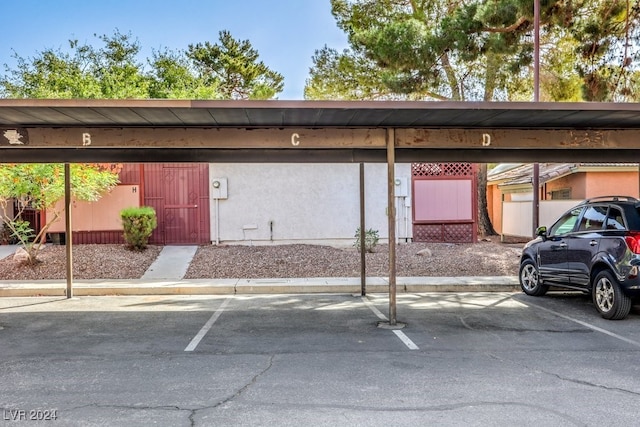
(612, 184)
(518, 215)
(494, 206)
(103, 214)
(585, 185)
(301, 202)
(576, 182)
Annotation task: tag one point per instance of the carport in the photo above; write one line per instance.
(74, 131)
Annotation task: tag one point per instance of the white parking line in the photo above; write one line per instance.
(374, 309)
(196, 340)
(405, 339)
(585, 324)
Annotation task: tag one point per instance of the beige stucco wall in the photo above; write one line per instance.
(103, 214)
(303, 202)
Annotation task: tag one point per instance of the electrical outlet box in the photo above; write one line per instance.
(402, 187)
(219, 188)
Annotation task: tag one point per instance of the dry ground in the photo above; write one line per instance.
(276, 261)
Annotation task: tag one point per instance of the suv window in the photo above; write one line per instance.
(566, 223)
(614, 219)
(593, 218)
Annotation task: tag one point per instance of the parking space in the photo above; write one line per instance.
(485, 321)
(478, 358)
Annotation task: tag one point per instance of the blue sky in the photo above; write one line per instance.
(286, 33)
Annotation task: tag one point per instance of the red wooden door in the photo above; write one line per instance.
(179, 194)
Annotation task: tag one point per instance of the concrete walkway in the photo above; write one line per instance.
(6, 250)
(172, 263)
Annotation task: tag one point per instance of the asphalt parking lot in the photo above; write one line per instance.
(289, 360)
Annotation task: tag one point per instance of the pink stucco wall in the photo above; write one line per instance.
(576, 182)
(583, 185)
(103, 214)
(592, 184)
(612, 183)
(494, 202)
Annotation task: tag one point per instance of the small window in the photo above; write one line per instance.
(564, 194)
(566, 223)
(593, 218)
(614, 220)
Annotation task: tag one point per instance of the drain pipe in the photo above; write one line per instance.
(406, 220)
(217, 213)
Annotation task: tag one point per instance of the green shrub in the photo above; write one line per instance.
(370, 239)
(138, 225)
(21, 230)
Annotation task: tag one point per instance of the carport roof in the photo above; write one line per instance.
(310, 114)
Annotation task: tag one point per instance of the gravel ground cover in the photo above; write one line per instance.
(89, 262)
(276, 261)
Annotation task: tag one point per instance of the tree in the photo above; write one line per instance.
(173, 77)
(607, 37)
(40, 186)
(348, 75)
(234, 67)
(229, 69)
(483, 50)
(479, 51)
(86, 72)
(116, 68)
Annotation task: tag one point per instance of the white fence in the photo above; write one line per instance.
(517, 217)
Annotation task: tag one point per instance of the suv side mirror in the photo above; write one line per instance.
(542, 232)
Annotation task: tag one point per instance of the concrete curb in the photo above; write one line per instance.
(257, 286)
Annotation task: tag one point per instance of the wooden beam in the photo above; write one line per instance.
(518, 138)
(322, 138)
(89, 138)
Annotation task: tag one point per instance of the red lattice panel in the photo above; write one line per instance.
(427, 232)
(442, 169)
(460, 233)
(98, 237)
(443, 233)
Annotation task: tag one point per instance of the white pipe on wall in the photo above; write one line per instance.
(217, 221)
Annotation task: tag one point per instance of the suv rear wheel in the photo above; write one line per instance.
(530, 279)
(608, 297)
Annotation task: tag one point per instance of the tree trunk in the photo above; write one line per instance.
(485, 228)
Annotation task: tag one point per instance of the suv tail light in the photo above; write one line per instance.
(633, 242)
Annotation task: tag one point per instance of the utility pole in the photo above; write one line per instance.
(535, 179)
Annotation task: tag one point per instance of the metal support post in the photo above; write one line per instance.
(68, 229)
(363, 259)
(391, 207)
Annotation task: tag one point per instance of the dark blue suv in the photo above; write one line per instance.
(594, 248)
